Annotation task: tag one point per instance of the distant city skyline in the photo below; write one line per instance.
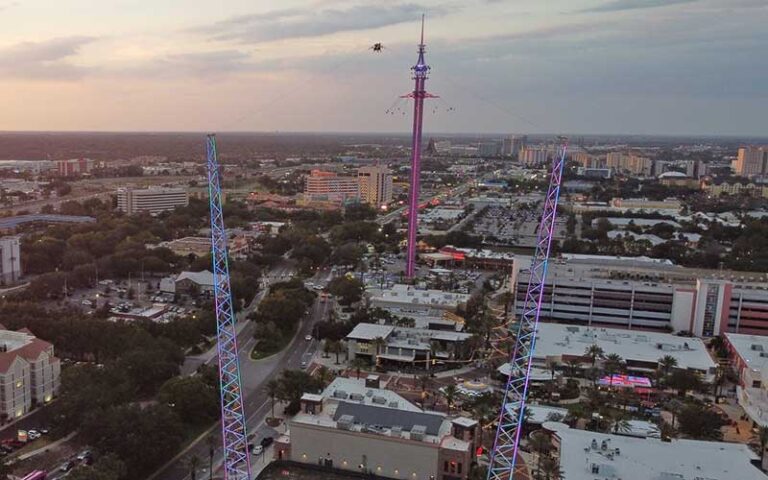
(675, 67)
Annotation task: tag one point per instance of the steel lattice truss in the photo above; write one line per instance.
(505, 448)
(236, 459)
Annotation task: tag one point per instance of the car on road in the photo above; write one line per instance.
(308, 338)
(257, 450)
(83, 455)
(67, 466)
(303, 364)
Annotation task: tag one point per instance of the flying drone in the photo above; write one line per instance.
(377, 47)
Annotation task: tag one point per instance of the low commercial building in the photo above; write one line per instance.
(640, 350)
(29, 372)
(154, 200)
(587, 455)
(356, 426)
(749, 358)
(399, 346)
(193, 283)
(408, 298)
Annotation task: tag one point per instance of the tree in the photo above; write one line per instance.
(613, 364)
(272, 389)
(684, 380)
(700, 423)
(550, 468)
(195, 401)
(450, 393)
(540, 443)
(211, 451)
(379, 343)
(666, 364)
(552, 365)
(573, 367)
(107, 467)
(335, 347)
(358, 364)
(594, 352)
(347, 290)
(324, 376)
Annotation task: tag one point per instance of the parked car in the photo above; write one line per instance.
(83, 455)
(67, 466)
(257, 450)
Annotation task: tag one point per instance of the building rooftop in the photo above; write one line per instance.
(12, 222)
(555, 340)
(407, 294)
(201, 278)
(22, 344)
(370, 331)
(353, 389)
(586, 455)
(753, 349)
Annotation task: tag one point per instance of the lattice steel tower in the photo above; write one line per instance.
(420, 73)
(505, 447)
(237, 464)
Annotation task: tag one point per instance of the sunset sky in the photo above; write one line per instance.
(534, 66)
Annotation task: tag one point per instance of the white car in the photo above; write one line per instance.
(257, 450)
(308, 338)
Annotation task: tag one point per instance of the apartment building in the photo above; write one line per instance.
(356, 426)
(331, 186)
(533, 156)
(751, 161)
(630, 163)
(29, 372)
(375, 185)
(154, 200)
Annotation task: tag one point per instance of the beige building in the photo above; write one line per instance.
(375, 185)
(533, 156)
(356, 426)
(751, 161)
(631, 163)
(735, 186)
(331, 186)
(29, 372)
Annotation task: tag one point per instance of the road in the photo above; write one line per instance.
(255, 373)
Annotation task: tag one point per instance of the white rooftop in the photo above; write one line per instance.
(370, 331)
(753, 349)
(407, 294)
(542, 413)
(556, 340)
(356, 387)
(204, 277)
(633, 458)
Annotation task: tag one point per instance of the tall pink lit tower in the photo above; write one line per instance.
(420, 72)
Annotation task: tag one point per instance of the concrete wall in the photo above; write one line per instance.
(394, 458)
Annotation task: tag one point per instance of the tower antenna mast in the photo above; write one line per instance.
(506, 445)
(237, 465)
(420, 74)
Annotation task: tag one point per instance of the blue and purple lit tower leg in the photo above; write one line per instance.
(505, 448)
(237, 464)
(420, 72)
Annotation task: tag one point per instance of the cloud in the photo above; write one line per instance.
(46, 60)
(301, 23)
(620, 5)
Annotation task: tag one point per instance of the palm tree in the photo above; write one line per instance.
(424, 382)
(540, 443)
(666, 364)
(194, 462)
(272, 389)
(621, 424)
(450, 393)
(573, 367)
(613, 364)
(358, 364)
(324, 375)
(550, 467)
(594, 352)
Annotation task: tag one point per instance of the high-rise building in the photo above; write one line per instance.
(375, 185)
(153, 200)
(513, 144)
(10, 259)
(74, 166)
(332, 186)
(533, 156)
(488, 149)
(631, 163)
(751, 161)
